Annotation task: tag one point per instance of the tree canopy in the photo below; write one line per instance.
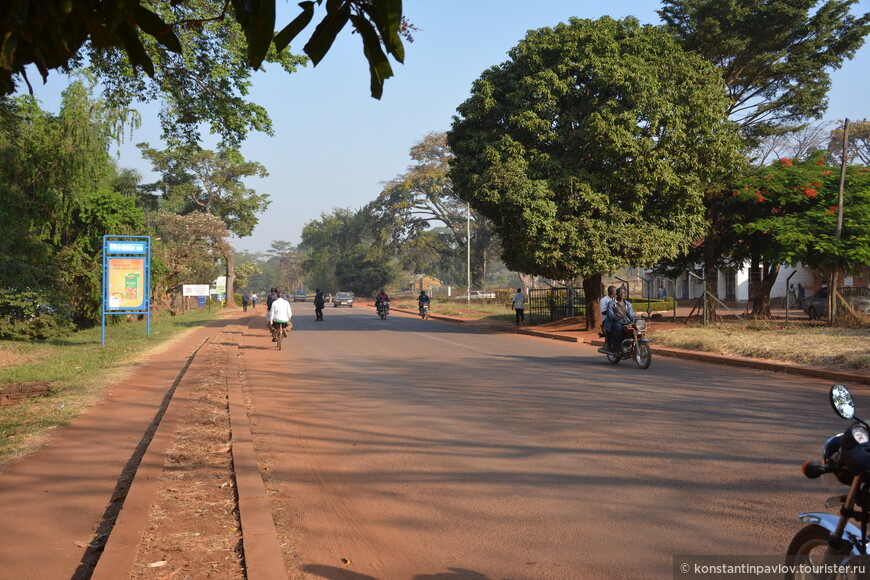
(48, 34)
(775, 57)
(590, 148)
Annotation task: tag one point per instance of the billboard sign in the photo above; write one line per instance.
(195, 290)
(126, 289)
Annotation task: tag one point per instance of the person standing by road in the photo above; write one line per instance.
(254, 301)
(319, 302)
(801, 294)
(245, 300)
(279, 316)
(520, 306)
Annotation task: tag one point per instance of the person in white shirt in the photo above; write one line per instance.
(520, 306)
(279, 315)
(605, 302)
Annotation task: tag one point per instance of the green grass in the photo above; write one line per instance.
(80, 368)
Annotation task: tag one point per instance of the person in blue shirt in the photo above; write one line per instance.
(422, 300)
(619, 314)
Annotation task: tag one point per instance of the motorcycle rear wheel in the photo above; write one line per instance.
(642, 355)
(808, 545)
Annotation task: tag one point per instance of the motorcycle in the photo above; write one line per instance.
(635, 345)
(829, 537)
(424, 311)
(383, 309)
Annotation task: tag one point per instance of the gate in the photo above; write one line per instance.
(551, 304)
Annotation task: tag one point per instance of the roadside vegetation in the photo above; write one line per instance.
(806, 344)
(79, 369)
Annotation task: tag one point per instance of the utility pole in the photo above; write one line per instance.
(832, 286)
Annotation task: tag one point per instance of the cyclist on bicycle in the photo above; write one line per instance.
(279, 315)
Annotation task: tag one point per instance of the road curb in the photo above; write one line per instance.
(260, 543)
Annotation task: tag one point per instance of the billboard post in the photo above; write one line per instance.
(126, 278)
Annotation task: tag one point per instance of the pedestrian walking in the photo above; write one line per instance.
(520, 306)
(254, 301)
(245, 299)
(662, 292)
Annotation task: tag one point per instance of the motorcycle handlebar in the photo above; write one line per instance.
(814, 469)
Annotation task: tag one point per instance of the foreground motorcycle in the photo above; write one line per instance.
(634, 345)
(828, 537)
(383, 309)
(424, 311)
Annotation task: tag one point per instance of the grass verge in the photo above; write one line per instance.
(806, 345)
(80, 368)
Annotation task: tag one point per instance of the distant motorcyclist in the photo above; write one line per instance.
(381, 299)
(423, 300)
(619, 314)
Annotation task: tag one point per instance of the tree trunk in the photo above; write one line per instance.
(230, 258)
(592, 291)
(710, 269)
(761, 290)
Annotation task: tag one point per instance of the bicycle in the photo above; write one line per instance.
(278, 332)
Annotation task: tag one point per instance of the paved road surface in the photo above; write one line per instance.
(417, 450)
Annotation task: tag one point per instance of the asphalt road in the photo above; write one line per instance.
(413, 450)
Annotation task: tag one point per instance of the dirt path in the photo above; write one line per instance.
(60, 503)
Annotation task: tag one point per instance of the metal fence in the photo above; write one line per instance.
(551, 304)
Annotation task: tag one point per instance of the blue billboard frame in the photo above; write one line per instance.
(127, 247)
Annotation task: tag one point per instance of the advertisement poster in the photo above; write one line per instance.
(126, 283)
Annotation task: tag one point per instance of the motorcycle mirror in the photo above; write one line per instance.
(841, 401)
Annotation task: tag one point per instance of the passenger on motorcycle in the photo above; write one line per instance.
(619, 314)
(423, 300)
(605, 324)
(279, 315)
(381, 298)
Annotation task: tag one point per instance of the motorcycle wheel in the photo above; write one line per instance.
(808, 545)
(642, 355)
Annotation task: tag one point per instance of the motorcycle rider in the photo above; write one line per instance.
(381, 299)
(423, 300)
(619, 314)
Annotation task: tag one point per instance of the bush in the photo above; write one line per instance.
(29, 315)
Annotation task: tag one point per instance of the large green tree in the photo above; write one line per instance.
(424, 194)
(775, 59)
(590, 148)
(211, 182)
(787, 213)
(59, 198)
(774, 56)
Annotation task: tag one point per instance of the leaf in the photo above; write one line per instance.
(289, 32)
(259, 31)
(133, 46)
(324, 35)
(379, 65)
(158, 564)
(152, 24)
(389, 20)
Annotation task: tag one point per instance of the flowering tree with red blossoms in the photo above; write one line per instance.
(786, 212)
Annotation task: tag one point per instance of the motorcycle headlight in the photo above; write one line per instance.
(860, 433)
(640, 324)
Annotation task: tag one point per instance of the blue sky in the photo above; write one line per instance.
(334, 145)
